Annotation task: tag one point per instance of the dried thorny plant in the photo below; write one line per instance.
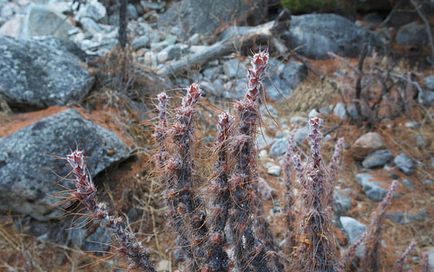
(85, 192)
(374, 88)
(317, 250)
(372, 257)
(225, 229)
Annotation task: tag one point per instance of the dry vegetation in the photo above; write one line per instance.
(139, 185)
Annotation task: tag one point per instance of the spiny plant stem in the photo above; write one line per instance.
(399, 264)
(247, 251)
(188, 216)
(218, 260)
(86, 193)
(317, 251)
(348, 257)
(371, 260)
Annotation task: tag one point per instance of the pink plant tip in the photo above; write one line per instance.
(162, 98)
(255, 73)
(83, 182)
(193, 94)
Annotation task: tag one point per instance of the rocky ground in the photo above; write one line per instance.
(64, 84)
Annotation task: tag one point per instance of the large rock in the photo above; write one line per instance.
(366, 144)
(317, 34)
(30, 168)
(41, 72)
(41, 20)
(284, 78)
(13, 27)
(413, 34)
(207, 16)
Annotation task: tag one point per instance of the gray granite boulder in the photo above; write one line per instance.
(412, 34)
(207, 16)
(317, 34)
(284, 78)
(41, 21)
(30, 167)
(41, 72)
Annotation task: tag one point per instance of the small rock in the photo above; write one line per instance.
(420, 141)
(98, 242)
(405, 218)
(354, 230)
(92, 9)
(426, 98)
(352, 111)
(340, 111)
(279, 148)
(342, 201)
(146, 5)
(372, 188)
(194, 39)
(89, 25)
(263, 154)
(273, 169)
(234, 68)
(298, 120)
(431, 258)
(326, 110)
(301, 134)
(163, 266)
(366, 144)
(266, 191)
(428, 182)
(141, 42)
(211, 73)
(408, 183)
(429, 83)
(313, 113)
(377, 159)
(158, 46)
(263, 140)
(373, 19)
(132, 11)
(405, 164)
(412, 124)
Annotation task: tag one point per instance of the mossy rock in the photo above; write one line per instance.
(301, 6)
(346, 6)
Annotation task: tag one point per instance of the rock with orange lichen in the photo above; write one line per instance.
(31, 167)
